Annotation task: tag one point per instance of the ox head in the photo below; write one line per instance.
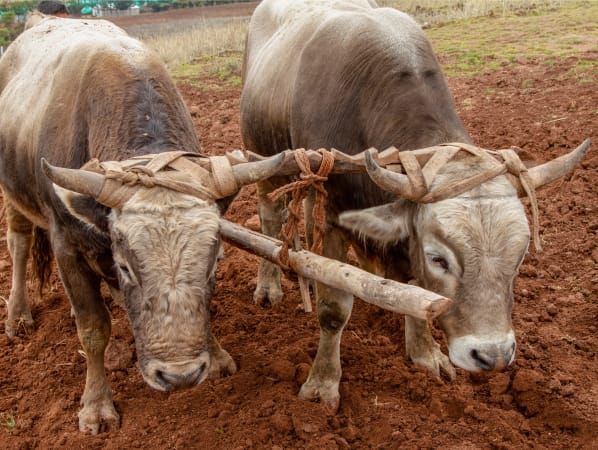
(165, 247)
(467, 248)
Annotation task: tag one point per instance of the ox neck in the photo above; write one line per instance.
(149, 118)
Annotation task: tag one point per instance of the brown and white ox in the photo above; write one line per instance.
(350, 75)
(73, 90)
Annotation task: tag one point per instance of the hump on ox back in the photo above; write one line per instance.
(151, 234)
(357, 76)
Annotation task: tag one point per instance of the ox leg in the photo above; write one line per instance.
(93, 327)
(424, 350)
(334, 308)
(18, 237)
(221, 363)
(268, 277)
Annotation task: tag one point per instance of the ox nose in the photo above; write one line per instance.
(474, 354)
(494, 358)
(173, 381)
(173, 375)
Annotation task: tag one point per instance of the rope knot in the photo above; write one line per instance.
(134, 176)
(299, 189)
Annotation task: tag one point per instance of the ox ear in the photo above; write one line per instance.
(84, 208)
(386, 224)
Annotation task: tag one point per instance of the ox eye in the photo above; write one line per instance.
(439, 261)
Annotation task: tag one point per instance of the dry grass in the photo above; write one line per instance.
(440, 11)
(184, 42)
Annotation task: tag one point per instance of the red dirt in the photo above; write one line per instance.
(547, 399)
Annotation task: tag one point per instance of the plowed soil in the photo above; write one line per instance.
(547, 399)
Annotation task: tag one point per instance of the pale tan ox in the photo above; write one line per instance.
(349, 75)
(71, 91)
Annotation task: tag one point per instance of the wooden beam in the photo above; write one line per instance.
(387, 294)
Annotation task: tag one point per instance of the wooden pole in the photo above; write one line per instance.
(387, 294)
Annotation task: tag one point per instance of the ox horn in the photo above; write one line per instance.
(248, 173)
(558, 167)
(390, 181)
(80, 181)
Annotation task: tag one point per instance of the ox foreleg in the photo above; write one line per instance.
(93, 327)
(268, 278)
(334, 308)
(424, 350)
(18, 237)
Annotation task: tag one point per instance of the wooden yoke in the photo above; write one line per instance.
(387, 294)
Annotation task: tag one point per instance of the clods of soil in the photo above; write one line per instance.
(547, 399)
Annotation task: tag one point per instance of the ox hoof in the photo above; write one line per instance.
(437, 363)
(329, 398)
(24, 325)
(99, 417)
(222, 365)
(267, 294)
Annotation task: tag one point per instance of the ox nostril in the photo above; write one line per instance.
(483, 361)
(198, 375)
(162, 379)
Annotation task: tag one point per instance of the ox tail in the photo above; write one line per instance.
(41, 261)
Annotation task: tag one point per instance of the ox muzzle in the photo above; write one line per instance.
(475, 354)
(171, 376)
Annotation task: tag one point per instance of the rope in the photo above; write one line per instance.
(513, 165)
(298, 191)
(516, 167)
(142, 176)
(171, 170)
(123, 178)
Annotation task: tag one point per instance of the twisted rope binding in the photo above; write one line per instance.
(421, 178)
(516, 167)
(122, 178)
(511, 164)
(298, 189)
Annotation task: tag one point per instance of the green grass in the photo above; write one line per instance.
(473, 46)
(466, 43)
(442, 11)
(225, 67)
(8, 421)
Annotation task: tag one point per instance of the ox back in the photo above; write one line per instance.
(354, 78)
(82, 91)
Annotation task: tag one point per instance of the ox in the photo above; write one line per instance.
(350, 75)
(72, 91)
